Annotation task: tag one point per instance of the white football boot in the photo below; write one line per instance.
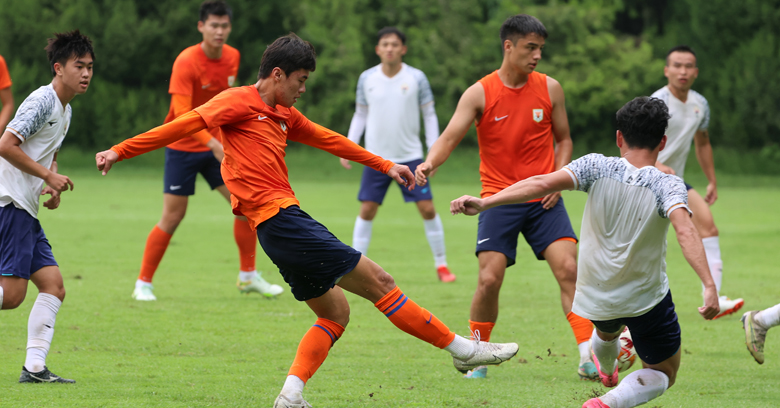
(144, 293)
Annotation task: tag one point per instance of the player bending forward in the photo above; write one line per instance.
(256, 121)
(621, 277)
(756, 324)
(29, 159)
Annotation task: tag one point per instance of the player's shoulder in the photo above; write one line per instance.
(662, 94)
(699, 98)
(415, 72)
(230, 53)
(376, 69)
(44, 98)
(2, 62)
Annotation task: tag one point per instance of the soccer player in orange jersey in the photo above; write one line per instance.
(6, 96)
(256, 123)
(199, 73)
(522, 131)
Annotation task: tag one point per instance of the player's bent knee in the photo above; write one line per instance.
(386, 280)
(12, 301)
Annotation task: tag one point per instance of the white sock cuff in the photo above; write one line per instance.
(769, 317)
(712, 247)
(49, 301)
(461, 347)
(363, 226)
(434, 224)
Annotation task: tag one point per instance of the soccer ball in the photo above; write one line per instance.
(627, 355)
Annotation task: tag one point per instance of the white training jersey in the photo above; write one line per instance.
(41, 123)
(393, 123)
(686, 119)
(621, 270)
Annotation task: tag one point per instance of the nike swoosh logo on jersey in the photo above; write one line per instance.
(482, 240)
(261, 117)
(206, 86)
(175, 187)
(52, 123)
(501, 118)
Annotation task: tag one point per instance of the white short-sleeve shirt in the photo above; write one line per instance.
(686, 119)
(621, 270)
(41, 123)
(393, 123)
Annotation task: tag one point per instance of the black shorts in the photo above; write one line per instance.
(656, 334)
(309, 257)
(181, 169)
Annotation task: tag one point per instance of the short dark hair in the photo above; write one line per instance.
(643, 122)
(521, 25)
(290, 53)
(64, 46)
(215, 8)
(680, 48)
(388, 31)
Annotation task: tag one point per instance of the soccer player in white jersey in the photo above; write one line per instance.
(621, 275)
(690, 118)
(28, 169)
(756, 323)
(390, 97)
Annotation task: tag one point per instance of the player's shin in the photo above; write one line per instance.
(637, 388)
(434, 231)
(40, 331)
(582, 328)
(312, 350)
(246, 240)
(361, 235)
(413, 319)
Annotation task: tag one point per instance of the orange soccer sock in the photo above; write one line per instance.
(411, 318)
(314, 347)
(483, 329)
(156, 244)
(247, 244)
(582, 327)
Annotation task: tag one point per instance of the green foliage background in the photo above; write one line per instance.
(604, 52)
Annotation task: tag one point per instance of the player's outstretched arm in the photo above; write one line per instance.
(10, 150)
(701, 142)
(520, 192)
(470, 108)
(183, 126)
(561, 133)
(356, 128)
(693, 250)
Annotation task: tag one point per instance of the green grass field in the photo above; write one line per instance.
(202, 344)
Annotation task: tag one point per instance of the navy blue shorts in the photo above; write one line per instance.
(688, 186)
(656, 334)
(500, 226)
(181, 168)
(374, 184)
(309, 257)
(24, 248)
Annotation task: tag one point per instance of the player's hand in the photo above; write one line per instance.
(216, 149)
(550, 200)
(345, 164)
(58, 182)
(467, 205)
(105, 160)
(712, 193)
(54, 201)
(710, 308)
(402, 175)
(423, 171)
(664, 168)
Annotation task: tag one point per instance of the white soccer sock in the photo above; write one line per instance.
(461, 348)
(584, 348)
(247, 276)
(293, 387)
(1, 297)
(637, 388)
(768, 317)
(712, 250)
(434, 231)
(139, 283)
(361, 235)
(606, 352)
(40, 330)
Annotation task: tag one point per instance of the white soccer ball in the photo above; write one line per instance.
(627, 355)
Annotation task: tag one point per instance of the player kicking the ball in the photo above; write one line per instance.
(256, 122)
(28, 149)
(621, 277)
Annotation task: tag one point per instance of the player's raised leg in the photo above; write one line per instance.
(756, 324)
(705, 224)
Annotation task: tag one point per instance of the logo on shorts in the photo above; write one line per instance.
(425, 190)
(174, 188)
(482, 240)
(231, 80)
(283, 125)
(538, 115)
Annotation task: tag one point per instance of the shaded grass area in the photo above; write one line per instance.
(202, 344)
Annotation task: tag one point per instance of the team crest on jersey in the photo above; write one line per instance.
(404, 88)
(283, 125)
(696, 110)
(538, 115)
(231, 80)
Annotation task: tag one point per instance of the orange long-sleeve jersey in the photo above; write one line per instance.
(254, 137)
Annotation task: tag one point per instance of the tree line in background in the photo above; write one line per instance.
(603, 52)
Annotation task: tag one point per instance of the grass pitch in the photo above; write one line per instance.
(202, 344)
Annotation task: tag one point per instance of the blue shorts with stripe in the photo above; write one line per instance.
(374, 184)
(24, 248)
(656, 334)
(309, 257)
(500, 226)
(181, 169)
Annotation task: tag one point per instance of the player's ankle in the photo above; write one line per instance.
(461, 348)
(140, 283)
